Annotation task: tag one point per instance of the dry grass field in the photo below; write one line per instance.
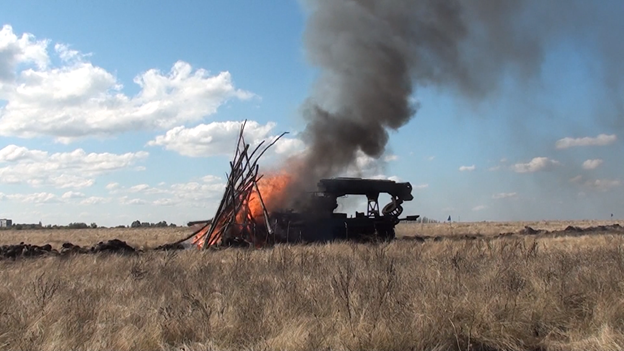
(136, 237)
(510, 294)
(152, 237)
(487, 228)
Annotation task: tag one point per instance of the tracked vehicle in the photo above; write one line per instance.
(316, 220)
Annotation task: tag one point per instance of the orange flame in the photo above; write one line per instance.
(272, 189)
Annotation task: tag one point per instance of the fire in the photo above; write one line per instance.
(273, 191)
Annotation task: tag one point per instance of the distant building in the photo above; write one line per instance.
(5, 223)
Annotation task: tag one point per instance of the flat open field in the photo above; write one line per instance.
(488, 228)
(516, 293)
(152, 237)
(136, 237)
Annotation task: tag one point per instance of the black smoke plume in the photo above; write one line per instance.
(373, 54)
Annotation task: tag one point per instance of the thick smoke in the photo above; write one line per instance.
(373, 54)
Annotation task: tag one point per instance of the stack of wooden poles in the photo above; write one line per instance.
(233, 221)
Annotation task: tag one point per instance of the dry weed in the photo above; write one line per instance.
(487, 228)
(136, 237)
(553, 294)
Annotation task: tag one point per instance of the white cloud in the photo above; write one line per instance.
(72, 195)
(66, 54)
(430, 158)
(35, 198)
(13, 153)
(467, 168)
(592, 164)
(493, 169)
(596, 184)
(15, 50)
(390, 158)
(138, 188)
(78, 99)
(420, 186)
(600, 140)
(166, 202)
(112, 186)
(74, 169)
(535, 165)
(95, 200)
(208, 179)
(499, 196)
(124, 200)
(602, 184)
(219, 138)
(192, 193)
(479, 208)
(288, 147)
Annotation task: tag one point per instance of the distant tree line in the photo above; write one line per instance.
(82, 225)
(161, 224)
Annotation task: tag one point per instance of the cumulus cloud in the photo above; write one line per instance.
(138, 188)
(95, 200)
(12, 153)
(166, 202)
(193, 193)
(601, 185)
(219, 138)
(74, 169)
(78, 99)
(35, 198)
(16, 50)
(390, 158)
(499, 196)
(535, 165)
(124, 200)
(600, 140)
(467, 168)
(592, 164)
(72, 195)
(112, 186)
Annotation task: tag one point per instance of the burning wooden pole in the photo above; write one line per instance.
(233, 220)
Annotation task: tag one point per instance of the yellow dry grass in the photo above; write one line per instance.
(508, 294)
(151, 237)
(488, 228)
(136, 237)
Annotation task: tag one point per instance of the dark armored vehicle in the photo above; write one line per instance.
(316, 221)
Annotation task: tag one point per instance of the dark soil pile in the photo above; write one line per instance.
(26, 250)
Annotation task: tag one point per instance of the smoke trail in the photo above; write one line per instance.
(373, 54)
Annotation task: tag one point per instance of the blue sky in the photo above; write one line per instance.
(116, 111)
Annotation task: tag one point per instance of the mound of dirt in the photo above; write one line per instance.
(115, 245)
(25, 250)
(529, 231)
(170, 247)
